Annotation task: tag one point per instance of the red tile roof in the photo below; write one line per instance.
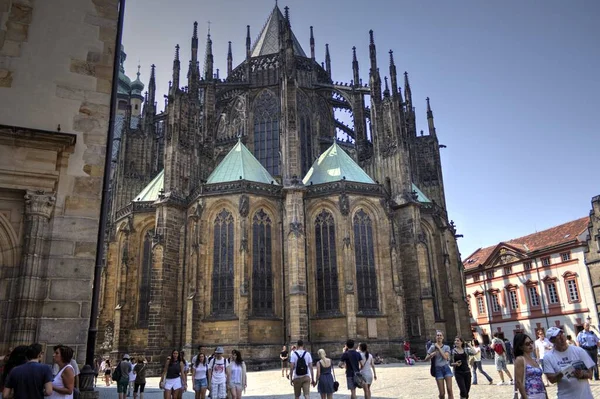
(551, 237)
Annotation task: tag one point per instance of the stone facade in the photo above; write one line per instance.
(593, 251)
(55, 83)
(166, 250)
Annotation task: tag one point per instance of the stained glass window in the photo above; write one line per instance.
(327, 279)
(266, 131)
(366, 276)
(262, 272)
(146, 270)
(222, 276)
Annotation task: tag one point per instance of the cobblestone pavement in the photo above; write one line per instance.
(394, 381)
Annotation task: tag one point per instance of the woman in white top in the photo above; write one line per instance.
(199, 370)
(64, 381)
(367, 368)
(236, 375)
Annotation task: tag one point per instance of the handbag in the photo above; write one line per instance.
(358, 378)
(432, 368)
(336, 385)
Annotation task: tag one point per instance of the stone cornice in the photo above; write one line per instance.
(36, 138)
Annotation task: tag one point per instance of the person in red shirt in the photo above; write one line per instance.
(406, 351)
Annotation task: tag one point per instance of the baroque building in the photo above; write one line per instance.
(532, 282)
(241, 218)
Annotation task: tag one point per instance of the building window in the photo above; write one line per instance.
(546, 261)
(572, 287)
(495, 302)
(480, 305)
(527, 265)
(572, 290)
(552, 292)
(490, 274)
(366, 276)
(513, 300)
(565, 256)
(476, 277)
(222, 275)
(507, 270)
(262, 273)
(136, 106)
(266, 131)
(326, 264)
(534, 298)
(144, 295)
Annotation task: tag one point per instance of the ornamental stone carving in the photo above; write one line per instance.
(344, 204)
(39, 203)
(244, 206)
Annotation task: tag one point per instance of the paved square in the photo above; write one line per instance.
(394, 381)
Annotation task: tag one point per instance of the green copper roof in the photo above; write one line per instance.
(334, 165)
(151, 191)
(420, 196)
(240, 164)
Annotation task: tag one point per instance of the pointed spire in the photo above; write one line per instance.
(287, 14)
(430, 119)
(372, 52)
(393, 75)
(407, 91)
(386, 91)
(229, 60)
(327, 60)
(138, 72)
(176, 70)
(312, 44)
(355, 67)
(152, 86)
(374, 77)
(248, 41)
(195, 42)
(208, 60)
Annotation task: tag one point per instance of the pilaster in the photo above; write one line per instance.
(295, 263)
(30, 283)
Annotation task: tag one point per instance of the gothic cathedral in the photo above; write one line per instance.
(246, 215)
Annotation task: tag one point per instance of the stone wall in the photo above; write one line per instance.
(55, 76)
(592, 255)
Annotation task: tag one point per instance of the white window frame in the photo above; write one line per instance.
(480, 305)
(534, 297)
(495, 302)
(573, 290)
(552, 293)
(565, 256)
(513, 299)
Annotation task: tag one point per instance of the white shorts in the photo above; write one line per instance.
(173, 383)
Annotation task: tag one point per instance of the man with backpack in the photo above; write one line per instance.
(500, 359)
(121, 376)
(301, 371)
(217, 379)
(350, 360)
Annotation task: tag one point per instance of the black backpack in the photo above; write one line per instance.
(116, 375)
(301, 366)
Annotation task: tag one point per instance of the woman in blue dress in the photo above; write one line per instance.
(325, 377)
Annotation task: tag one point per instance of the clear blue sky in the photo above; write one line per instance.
(514, 87)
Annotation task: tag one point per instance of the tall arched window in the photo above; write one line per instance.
(366, 276)
(146, 270)
(266, 131)
(222, 277)
(262, 265)
(327, 279)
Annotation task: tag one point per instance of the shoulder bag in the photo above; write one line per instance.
(336, 384)
(359, 379)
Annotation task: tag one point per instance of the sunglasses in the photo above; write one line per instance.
(528, 343)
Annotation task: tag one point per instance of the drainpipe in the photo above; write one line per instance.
(542, 293)
(93, 329)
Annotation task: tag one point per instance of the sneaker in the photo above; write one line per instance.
(491, 382)
(473, 383)
(512, 382)
(501, 383)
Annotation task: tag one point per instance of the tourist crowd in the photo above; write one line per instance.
(551, 358)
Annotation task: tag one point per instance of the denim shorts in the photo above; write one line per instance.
(200, 383)
(442, 372)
